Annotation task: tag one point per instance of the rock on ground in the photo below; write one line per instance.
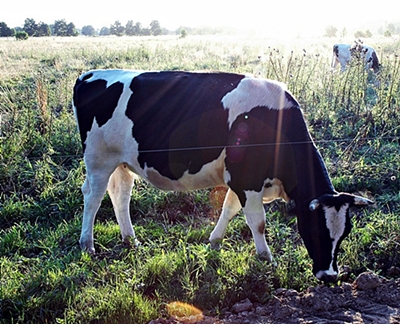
(369, 299)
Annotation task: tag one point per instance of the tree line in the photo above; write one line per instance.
(64, 28)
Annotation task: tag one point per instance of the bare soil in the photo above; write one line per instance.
(369, 299)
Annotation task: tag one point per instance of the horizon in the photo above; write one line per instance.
(307, 18)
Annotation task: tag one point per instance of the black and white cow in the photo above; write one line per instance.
(185, 131)
(344, 53)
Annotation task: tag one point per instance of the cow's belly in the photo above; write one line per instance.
(210, 175)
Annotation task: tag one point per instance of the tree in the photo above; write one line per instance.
(155, 28)
(71, 30)
(117, 29)
(137, 29)
(362, 34)
(368, 33)
(60, 28)
(30, 27)
(330, 31)
(88, 30)
(104, 31)
(129, 28)
(5, 31)
(43, 30)
(391, 28)
(145, 32)
(184, 33)
(387, 34)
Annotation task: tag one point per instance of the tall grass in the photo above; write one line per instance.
(353, 116)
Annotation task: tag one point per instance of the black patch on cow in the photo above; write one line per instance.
(178, 118)
(336, 50)
(93, 100)
(336, 201)
(375, 62)
(258, 148)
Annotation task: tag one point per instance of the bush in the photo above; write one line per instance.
(21, 35)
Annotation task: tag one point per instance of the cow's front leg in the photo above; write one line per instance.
(230, 208)
(120, 188)
(255, 219)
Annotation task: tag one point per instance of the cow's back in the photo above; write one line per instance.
(158, 123)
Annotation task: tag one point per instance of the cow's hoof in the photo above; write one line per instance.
(89, 250)
(131, 242)
(216, 244)
(265, 256)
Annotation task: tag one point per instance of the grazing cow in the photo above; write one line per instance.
(185, 131)
(343, 54)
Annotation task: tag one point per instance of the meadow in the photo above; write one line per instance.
(45, 277)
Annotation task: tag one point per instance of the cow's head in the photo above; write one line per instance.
(323, 227)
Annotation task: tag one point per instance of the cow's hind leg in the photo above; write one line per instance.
(255, 219)
(93, 189)
(120, 188)
(230, 208)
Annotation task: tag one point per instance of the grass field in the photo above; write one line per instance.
(45, 278)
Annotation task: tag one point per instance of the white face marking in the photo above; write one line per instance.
(251, 93)
(336, 224)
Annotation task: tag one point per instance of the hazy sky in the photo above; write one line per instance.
(274, 16)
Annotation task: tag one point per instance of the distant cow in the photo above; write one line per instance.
(344, 53)
(184, 131)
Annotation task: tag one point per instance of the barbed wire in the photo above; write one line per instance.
(180, 149)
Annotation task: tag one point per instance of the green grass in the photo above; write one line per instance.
(353, 116)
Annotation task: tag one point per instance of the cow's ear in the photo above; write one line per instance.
(314, 205)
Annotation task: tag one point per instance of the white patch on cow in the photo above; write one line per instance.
(275, 190)
(336, 224)
(112, 143)
(112, 76)
(251, 93)
(210, 175)
(255, 219)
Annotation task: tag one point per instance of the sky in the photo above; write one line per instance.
(273, 17)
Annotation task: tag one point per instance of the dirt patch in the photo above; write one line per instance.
(369, 299)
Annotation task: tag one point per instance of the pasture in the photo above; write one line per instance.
(45, 278)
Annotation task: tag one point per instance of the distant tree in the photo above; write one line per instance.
(330, 31)
(43, 30)
(60, 28)
(363, 34)
(130, 28)
(30, 26)
(368, 33)
(5, 31)
(145, 32)
(104, 31)
(184, 33)
(387, 33)
(88, 30)
(21, 35)
(71, 30)
(117, 29)
(343, 32)
(155, 28)
(391, 28)
(137, 29)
